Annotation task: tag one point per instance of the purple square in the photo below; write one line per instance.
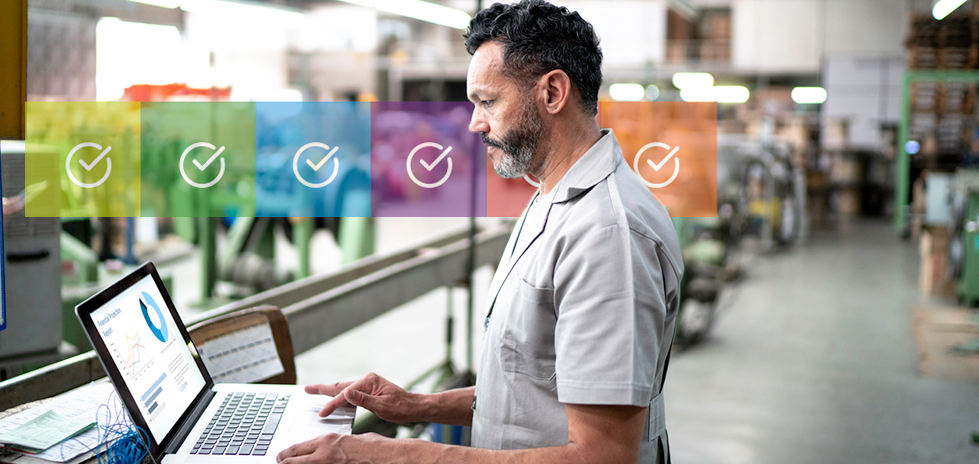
(425, 162)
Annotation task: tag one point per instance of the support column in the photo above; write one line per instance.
(13, 59)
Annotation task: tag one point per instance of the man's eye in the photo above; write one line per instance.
(486, 103)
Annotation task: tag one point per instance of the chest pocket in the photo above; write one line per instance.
(527, 338)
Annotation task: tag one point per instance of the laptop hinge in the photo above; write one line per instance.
(188, 425)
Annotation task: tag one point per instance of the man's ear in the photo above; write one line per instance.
(555, 89)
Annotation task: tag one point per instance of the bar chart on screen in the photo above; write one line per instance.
(150, 396)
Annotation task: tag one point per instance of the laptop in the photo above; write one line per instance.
(163, 383)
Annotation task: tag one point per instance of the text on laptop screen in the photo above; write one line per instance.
(157, 366)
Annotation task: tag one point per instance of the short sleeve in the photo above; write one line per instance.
(611, 311)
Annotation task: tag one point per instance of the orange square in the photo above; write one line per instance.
(673, 148)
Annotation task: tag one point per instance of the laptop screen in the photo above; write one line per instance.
(157, 367)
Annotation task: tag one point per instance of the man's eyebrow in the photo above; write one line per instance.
(477, 94)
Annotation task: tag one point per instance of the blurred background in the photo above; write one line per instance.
(829, 309)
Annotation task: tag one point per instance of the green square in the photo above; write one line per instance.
(82, 159)
(198, 159)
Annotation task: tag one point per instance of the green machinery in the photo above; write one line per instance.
(705, 253)
(964, 243)
(963, 247)
(968, 287)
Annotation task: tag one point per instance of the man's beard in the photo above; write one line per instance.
(519, 144)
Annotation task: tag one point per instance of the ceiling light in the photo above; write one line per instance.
(686, 80)
(719, 93)
(912, 147)
(626, 92)
(421, 10)
(810, 95)
(944, 7)
(244, 10)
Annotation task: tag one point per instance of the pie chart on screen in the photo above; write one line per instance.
(145, 303)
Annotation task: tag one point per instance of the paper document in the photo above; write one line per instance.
(81, 403)
(243, 356)
(46, 430)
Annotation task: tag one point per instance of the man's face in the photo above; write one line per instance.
(506, 116)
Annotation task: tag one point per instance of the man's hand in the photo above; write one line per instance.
(330, 449)
(374, 393)
(606, 434)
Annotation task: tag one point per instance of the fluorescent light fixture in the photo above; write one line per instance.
(688, 80)
(421, 10)
(718, 93)
(652, 92)
(626, 92)
(810, 95)
(160, 3)
(944, 7)
(244, 10)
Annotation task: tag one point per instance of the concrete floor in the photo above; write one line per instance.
(811, 359)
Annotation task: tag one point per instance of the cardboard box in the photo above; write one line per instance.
(934, 278)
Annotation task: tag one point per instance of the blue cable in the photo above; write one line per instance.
(130, 444)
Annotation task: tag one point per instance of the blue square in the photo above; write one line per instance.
(312, 159)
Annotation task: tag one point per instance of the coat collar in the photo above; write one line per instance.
(593, 166)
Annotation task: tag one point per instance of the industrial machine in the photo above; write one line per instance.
(770, 195)
(33, 267)
(758, 190)
(963, 252)
(704, 259)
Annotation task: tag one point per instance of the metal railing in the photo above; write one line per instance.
(318, 308)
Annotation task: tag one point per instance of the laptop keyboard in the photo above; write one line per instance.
(243, 425)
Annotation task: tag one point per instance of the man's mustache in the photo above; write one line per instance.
(489, 141)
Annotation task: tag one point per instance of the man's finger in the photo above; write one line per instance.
(299, 449)
(304, 459)
(330, 390)
(359, 398)
(332, 405)
(340, 399)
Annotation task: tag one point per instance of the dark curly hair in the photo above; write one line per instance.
(539, 37)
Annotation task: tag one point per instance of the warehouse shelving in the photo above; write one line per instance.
(903, 183)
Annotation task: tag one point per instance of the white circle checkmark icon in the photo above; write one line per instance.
(657, 166)
(445, 153)
(200, 166)
(316, 166)
(89, 166)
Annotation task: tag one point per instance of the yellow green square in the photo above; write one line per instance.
(82, 159)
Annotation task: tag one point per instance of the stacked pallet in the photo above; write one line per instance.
(941, 112)
(952, 43)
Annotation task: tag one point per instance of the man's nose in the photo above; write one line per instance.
(478, 124)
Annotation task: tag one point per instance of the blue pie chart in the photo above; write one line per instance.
(158, 332)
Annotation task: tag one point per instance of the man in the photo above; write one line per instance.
(583, 304)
